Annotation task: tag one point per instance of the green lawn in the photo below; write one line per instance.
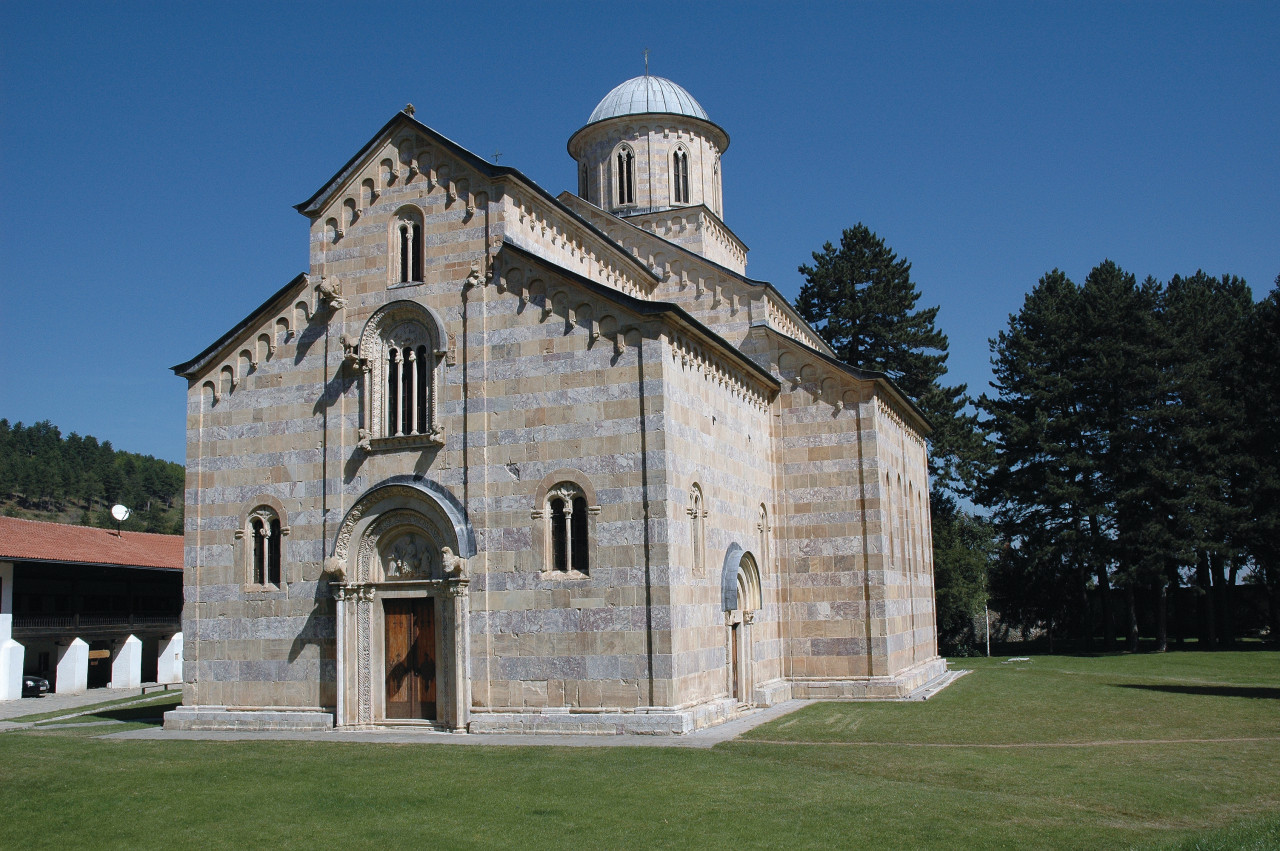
(1177, 750)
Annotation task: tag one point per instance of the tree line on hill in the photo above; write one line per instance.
(44, 476)
(1128, 449)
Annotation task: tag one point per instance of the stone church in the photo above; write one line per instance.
(503, 461)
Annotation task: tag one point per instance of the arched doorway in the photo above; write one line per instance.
(740, 586)
(398, 575)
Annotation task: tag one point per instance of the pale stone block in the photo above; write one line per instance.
(11, 655)
(126, 667)
(72, 676)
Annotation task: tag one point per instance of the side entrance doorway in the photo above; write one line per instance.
(410, 657)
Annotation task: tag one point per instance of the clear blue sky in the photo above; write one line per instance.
(150, 154)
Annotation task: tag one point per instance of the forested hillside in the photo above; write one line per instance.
(44, 476)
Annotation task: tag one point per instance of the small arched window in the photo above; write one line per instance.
(680, 176)
(564, 532)
(407, 248)
(567, 514)
(764, 536)
(697, 522)
(265, 541)
(625, 167)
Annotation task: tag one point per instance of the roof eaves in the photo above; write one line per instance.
(654, 309)
(188, 369)
(786, 305)
(857, 372)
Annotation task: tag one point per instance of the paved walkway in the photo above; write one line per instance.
(705, 738)
(71, 702)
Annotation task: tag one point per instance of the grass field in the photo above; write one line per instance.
(1178, 750)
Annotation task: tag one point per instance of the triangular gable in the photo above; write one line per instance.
(325, 194)
(335, 185)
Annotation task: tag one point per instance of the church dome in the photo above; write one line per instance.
(647, 94)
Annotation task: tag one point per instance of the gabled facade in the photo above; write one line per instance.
(501, 461)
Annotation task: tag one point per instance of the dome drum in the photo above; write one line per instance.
(647, 146)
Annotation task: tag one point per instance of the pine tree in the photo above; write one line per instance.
(1041, 483)
(1261, 488)
(861, 299)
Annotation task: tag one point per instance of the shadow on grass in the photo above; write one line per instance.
(1099, 648)
(1263, 692)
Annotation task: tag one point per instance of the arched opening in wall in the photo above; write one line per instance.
(764, 528)
(406, 389)
(625, 172)
(715, 187)
(403, 348)
(680, 176)
(564, 525)
(698, 530)
(264, 538)
(740, 620)
(407, 247)
(401, 588)
(568, 530)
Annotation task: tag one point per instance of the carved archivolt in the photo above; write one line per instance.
(403, 344)
(402, 544)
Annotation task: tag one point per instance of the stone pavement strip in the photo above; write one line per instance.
(67, 704)
(705, 738)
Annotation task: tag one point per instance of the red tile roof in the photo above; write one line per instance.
(30, 540)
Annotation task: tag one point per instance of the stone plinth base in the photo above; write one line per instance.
(898, 687)
(644, 721)
(222, 718)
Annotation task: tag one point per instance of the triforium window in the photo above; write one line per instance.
(407, 389)
(401, 360)
(680, 176)
(567, 516)
(626, 170)
(407, 247)
(265, 545)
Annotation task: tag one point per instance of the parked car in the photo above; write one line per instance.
(34, 686)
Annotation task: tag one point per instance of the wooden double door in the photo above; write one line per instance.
(411, 657)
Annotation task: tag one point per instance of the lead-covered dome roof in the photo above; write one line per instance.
(641, 95)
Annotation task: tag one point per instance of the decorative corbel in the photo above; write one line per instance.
(330, 290)
(454, 567)
(474, 278)
(334, 570)
(351, 351)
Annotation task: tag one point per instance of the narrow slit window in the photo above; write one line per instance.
(273, 553)
(259, 551)
(579, 535)
(680, 176)
(559, 536)
(626, 177)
